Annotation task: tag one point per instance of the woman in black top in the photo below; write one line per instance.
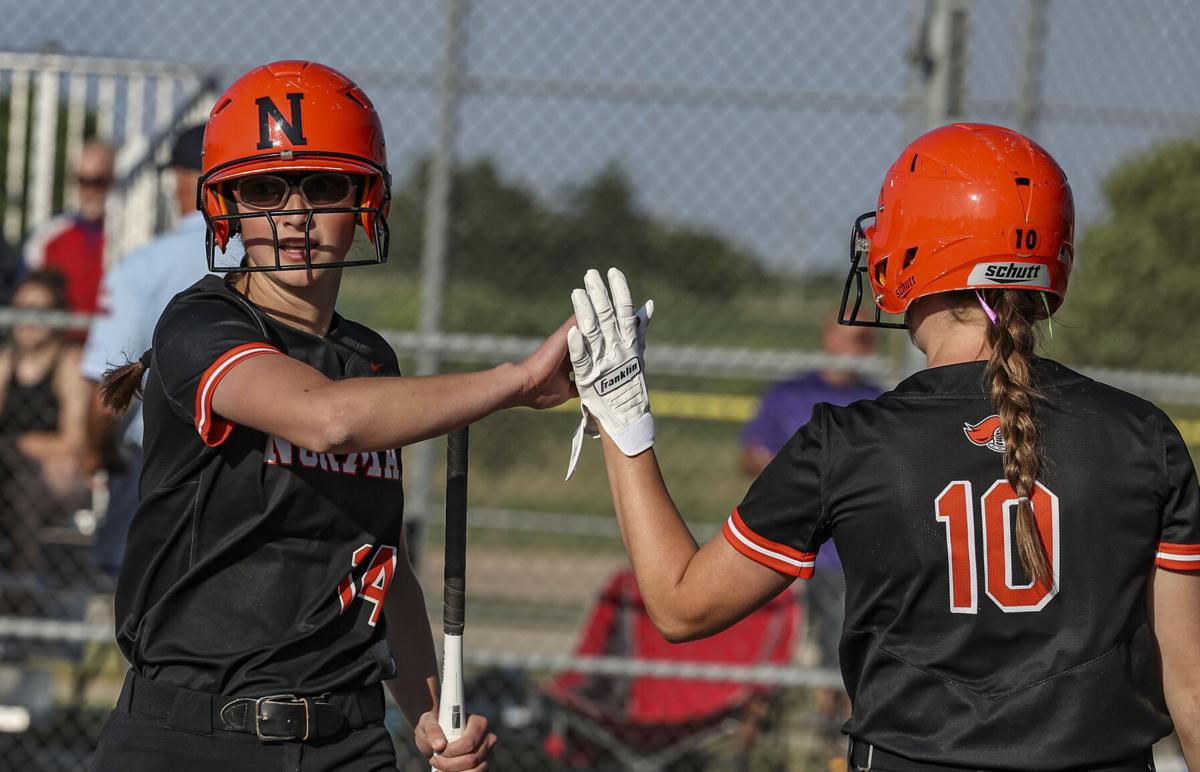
(266, 589)
(1021, 544)
(42, 404)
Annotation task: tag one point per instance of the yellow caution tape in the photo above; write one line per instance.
(683, 404)
(1190, 430)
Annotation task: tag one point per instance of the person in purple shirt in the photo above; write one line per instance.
(788, 404)
(786, 407)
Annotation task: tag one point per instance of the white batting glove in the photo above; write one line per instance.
(607, 345)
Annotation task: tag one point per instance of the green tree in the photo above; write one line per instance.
(1136, 282)
(503, 234)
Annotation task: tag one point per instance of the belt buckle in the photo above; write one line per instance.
(280, 698)
(870, 756)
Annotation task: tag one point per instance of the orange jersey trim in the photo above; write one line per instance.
(1178, 557)
(771, 554)
(212, 428)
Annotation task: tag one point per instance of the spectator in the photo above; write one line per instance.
(132, 296)
(42, 407)
(73, 243)
(785, 408)
(788, 404)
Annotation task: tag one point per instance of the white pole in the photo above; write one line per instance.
(18, 121)
(164, 109)
(45, 132)
(106, 106)
(76, 115)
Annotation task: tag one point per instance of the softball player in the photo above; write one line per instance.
(1021, 543)
(266, 590)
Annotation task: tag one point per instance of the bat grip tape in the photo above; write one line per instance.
(454, 605)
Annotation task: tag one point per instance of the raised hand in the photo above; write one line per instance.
(546, 373)
(606, 348)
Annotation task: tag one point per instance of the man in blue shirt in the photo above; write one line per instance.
(133, 294)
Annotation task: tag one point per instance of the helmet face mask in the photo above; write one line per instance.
(964, 207)
(380, 242)
(331, 128)
(860, 246)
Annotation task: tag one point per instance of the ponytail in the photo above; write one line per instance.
(1013, 337)
(120, 385)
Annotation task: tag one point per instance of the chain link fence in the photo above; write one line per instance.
(718, 152)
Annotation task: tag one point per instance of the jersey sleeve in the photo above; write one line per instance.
(780, 521)
(1179, 546)
(199, 340)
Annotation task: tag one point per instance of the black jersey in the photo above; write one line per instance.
(950, 654)
(255, 566)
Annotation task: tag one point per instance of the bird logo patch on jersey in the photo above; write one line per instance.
(986, 433)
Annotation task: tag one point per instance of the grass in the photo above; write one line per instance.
(519, 459)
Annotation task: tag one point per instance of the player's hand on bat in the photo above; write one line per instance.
(606, 347)
(470, 753)
(547, 373)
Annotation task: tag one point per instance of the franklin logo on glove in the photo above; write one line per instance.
(610, 382)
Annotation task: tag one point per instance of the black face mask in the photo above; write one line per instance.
(859, 246)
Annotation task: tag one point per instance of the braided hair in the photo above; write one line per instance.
(1013, 337)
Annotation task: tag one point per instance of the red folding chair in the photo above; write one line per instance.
(649, 722)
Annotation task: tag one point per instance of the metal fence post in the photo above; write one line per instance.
(1030, 96)
(937, 69)
(946, 37)
(433, 261)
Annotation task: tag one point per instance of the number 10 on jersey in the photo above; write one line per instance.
(955, 507)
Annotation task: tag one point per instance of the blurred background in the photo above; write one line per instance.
(718, 152)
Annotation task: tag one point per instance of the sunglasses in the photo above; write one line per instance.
(270, 191)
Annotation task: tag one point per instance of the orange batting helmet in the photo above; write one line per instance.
(287, 117)
(966, 206)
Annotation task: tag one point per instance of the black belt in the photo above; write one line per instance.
(270, 718)
(864, 756)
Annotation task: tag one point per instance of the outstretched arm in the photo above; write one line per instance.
(689, 592)
(287, 398)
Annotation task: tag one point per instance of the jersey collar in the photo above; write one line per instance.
(967, 378)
